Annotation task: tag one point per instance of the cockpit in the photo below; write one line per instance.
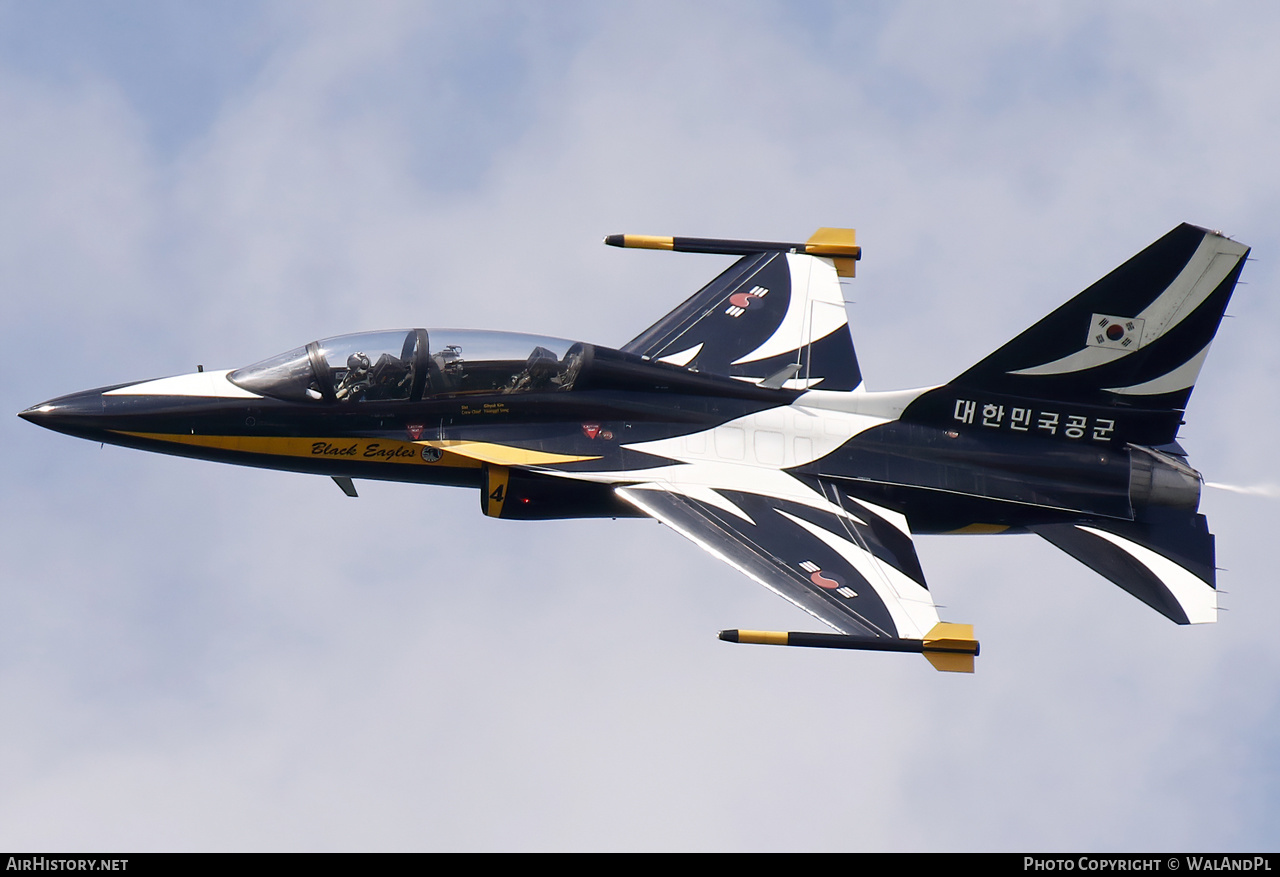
(406, 365)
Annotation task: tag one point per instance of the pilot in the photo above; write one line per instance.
(540, 369)
(356, 380)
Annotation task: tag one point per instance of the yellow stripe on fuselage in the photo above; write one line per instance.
(461, 454)
(505, 455)
(350, 450)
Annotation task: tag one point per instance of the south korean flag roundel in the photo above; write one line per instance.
(1116, 333)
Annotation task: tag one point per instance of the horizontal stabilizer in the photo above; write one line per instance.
(1169, 565)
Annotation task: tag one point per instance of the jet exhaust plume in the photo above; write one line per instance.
(1270, 491)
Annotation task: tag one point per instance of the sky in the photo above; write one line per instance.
(204, 657)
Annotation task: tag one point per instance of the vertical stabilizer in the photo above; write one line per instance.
(775, 318)
(1136, 339)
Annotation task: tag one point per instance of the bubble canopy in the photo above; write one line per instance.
(406, 365)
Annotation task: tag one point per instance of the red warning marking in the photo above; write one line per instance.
(590, 430)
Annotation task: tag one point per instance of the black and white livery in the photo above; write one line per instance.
(740, 421)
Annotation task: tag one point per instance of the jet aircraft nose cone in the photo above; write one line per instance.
(36, 412)
(71, 414)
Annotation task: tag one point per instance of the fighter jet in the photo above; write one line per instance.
(740, 421)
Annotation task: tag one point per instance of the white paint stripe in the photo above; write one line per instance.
(910, 606)
(702, 494)
(898, 519)
(882, 405)
(837, 428)
(812, 279)
(1192, 286)
(684, 357)
(1089, 357)
(1212, 261)
(1181, 378)
(689, 480)
(213, 385)
(1193, 594)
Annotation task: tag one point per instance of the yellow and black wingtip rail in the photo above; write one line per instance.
(948, 647)
(837, 244)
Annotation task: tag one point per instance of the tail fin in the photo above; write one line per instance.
(775, 318)
(1134, 339)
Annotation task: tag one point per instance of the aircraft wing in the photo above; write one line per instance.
(849, 563)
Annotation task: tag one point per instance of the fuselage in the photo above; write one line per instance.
(449, 414)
